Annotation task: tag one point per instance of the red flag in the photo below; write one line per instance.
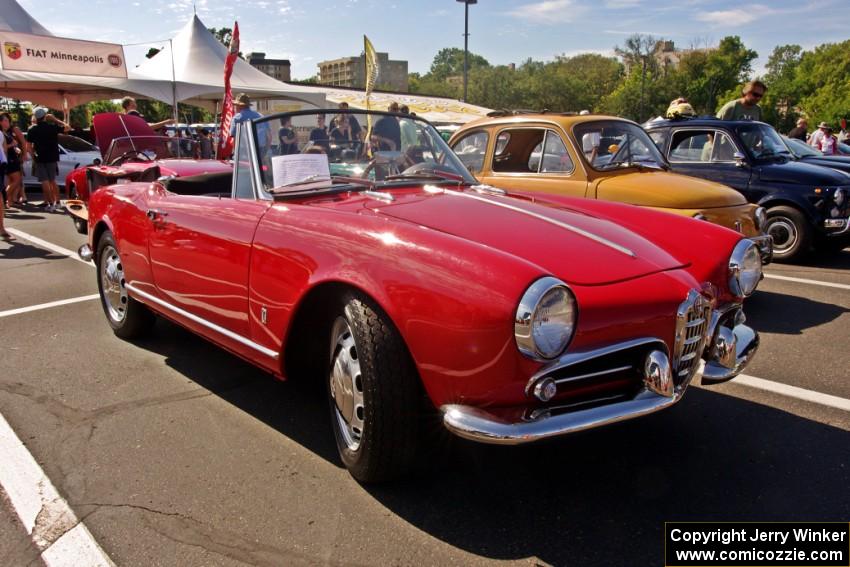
(225, 145)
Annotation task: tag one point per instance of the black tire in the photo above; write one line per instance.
(791, 232)
(128, 318)
(80, 225)
(385, 394)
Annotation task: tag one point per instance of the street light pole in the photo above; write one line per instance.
(466, 4)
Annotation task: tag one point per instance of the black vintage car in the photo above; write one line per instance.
(807, 205)
(807, 154)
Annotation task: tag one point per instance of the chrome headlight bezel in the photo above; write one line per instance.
(745, 268)
(761, 218)
(839, 197)
(528, 312)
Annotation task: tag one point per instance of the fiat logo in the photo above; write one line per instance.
(115, 60)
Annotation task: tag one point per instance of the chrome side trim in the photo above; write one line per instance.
(146, 297)
(593, 374)
(571, 358)
(385, 197)
(565, 226)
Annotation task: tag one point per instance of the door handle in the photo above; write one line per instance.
(153, 214)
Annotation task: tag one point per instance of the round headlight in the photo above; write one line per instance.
(839, 197)
(761, 218)
(545, 319)
(744, 268)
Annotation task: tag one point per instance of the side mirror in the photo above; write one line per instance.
(739, 159)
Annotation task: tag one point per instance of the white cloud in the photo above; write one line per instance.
(548, 12)
(614, 4)
(736, 17)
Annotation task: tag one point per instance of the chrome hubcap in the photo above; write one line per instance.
(784, 233)
(115, 296)
(346, 385)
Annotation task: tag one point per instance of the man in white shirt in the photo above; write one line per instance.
(814, 141)
(590, 145)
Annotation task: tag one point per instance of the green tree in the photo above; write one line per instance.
(823, 80)
(779, 104)
(449, 62)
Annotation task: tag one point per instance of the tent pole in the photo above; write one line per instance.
(173, 84)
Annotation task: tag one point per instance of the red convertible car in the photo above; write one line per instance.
(413, 292)
(132, 151)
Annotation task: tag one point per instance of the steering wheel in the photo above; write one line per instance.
(127, 155)
(368, 169)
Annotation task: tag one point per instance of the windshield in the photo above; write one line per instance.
(375, 147)
(149, 148)
(608, 144)
(762, 142)
(800, 148)
(74, 144)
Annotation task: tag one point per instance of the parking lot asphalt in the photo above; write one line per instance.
(177, 453)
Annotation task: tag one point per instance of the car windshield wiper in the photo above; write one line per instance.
(427, 174)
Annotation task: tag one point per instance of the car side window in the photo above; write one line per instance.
(724, 148)
(518, 151)
(556, 158)
(659, 137)
(692, 145)
(471, 150)
(242, 177)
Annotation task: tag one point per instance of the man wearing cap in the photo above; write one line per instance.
(43, 138)
(242, 106)
(801, 131)
(818, 135)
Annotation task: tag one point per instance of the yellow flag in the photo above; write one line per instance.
(371, 76)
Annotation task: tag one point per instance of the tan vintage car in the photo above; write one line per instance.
(597, 157)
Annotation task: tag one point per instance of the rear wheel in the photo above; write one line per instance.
(128, 318)
(374, 392)
(791, 233)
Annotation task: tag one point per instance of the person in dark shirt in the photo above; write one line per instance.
(44, 139)
(205, 144)
(342, 134)
(356, 130)
(286, 137)
(800, 131)
(319, 134)
(388, 131)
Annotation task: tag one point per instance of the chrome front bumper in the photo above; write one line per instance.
(730, 348)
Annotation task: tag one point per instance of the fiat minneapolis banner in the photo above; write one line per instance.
(46, 54)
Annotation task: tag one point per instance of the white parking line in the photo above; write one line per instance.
(805, 281)
(793, 392)
(59, 535)
(48, 245)
(40, 306)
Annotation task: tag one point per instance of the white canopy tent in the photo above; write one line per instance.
(432, 108)
(14, 18)
(194, 61)
(58, 90)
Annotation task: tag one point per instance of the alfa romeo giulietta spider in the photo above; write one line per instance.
(413, 292)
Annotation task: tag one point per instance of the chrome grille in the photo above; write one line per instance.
(691, 326)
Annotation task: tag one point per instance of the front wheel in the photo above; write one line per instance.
(374, 392)
(128, 318)
(791, 232)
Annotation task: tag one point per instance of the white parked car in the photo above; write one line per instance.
(73, 153)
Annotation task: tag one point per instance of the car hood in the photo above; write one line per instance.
(801, 173)
(576, 247)
(110, 125)
(835, 162)
(667, 190)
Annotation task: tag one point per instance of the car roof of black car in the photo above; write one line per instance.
(699, 121)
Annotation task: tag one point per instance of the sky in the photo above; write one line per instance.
(503, 31)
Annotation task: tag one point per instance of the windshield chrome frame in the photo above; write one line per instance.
(664, 163)
(107, 157)
(469, 179)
